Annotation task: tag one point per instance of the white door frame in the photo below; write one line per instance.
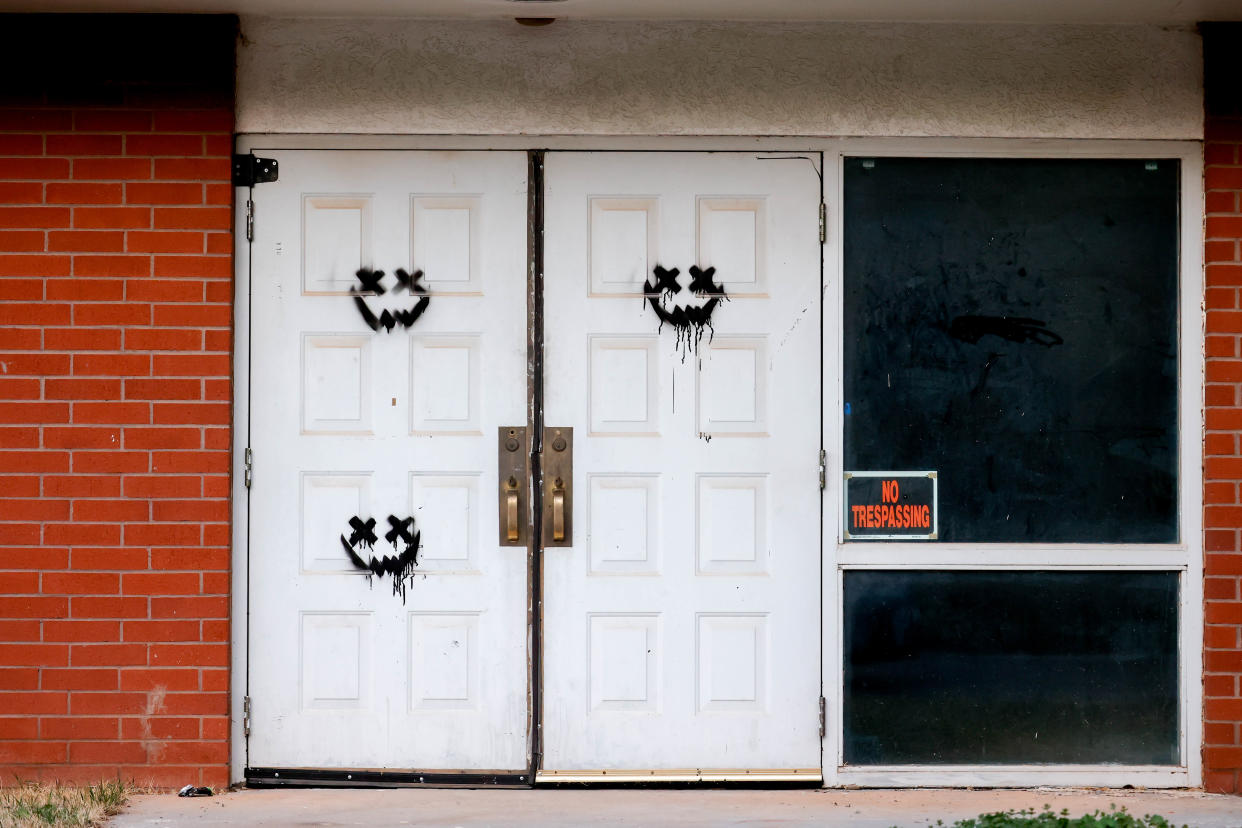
(1185, 557)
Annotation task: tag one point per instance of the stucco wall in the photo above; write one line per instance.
(646, 78)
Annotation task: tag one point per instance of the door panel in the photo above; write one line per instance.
(346, 422)
(681, 630)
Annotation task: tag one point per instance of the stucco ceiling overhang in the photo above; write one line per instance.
(1170, 12)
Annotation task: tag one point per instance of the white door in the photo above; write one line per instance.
(347, 423)
(681, 629)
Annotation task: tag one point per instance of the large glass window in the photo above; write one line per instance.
(1016, 667)
(1011, 326)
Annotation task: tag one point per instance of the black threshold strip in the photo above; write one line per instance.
(334, 778)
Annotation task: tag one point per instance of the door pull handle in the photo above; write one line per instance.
(558, 510)
(511, 510)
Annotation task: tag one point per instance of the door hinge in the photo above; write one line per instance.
(249, 170)
(249, 220)
(823, 717)
(249, 478)
(823, 469)
(823, 222)
(246, 717)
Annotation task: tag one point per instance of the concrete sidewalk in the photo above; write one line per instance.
(656, 807)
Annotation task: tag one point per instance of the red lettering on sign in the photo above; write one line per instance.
(888, 491)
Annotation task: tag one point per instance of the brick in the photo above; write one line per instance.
(12, 218)
(86, 241)
(83, 144)
(116, 266)
(165, 290)
(21, 192)
(182, 462)
(164, 241)
(200, 120)
(163, 389)
(111, 751)
(109, 607)
(41, 313)
(112, 412)
(12, 727)
(163, 438)
(81, 437)
(12, 388)
(83, 193)
(177, 679)
(36, 364)
(34, 655)
(43, 558)
(194, 169)
(29, 606)
(152, 534)
(189, 655)
(22, 485)
(163, 486)
(33, 704)
(219, 316)
(79, 679)
(193, 218)
(33, 168)
(106, 704)
(37, 509)
(112, 314)
(108, 655)
(79, 389)
(218, 194)
(81, 339)
(117, 218)
(41, 752)
(163, 630)
(111, 510)
(17, 437)
(79, 727)
(22, 241)
(192, 413)
(162, 339)
(111, 461)
(75, 534)
(34, 461)
(34, 265)
(118, 558)
(85, 290)
(12, 583)
(25, 290)
(19, 144)
(112, 365)
(79, 631)
(121, 120)
(196, 558)
(201, 267)
(220, 243)
(190, 607)
(12, 533)
(195, 753)
(81, 583)
(1217, 227)
(162, 193)
(164, 145)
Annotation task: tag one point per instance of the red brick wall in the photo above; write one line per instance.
(115, 387)
(1222, 680)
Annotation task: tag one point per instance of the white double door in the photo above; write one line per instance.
(680, 630)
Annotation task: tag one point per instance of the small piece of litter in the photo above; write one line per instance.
(190, 790)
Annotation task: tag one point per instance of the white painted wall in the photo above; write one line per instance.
(413, 76)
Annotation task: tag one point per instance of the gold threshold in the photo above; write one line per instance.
(759, 775)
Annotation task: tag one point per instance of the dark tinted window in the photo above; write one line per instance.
(1012, 325)
(1010, 667)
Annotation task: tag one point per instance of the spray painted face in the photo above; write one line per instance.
(359, 548)
(371, 284)
(688, 312)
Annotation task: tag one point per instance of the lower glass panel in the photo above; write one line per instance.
(992, 667)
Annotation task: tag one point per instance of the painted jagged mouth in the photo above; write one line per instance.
(372, 285)
(689, 321)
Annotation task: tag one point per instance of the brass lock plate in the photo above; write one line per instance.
(557, 463)
(513, 480)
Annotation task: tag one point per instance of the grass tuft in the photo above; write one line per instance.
(36, 805)
(1114, 818)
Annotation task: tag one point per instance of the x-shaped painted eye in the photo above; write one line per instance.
(408, 281)
(701, 281)
(370, 281)
(363, 531)
(666, 280)
(400, 529)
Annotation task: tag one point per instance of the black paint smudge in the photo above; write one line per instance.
(1012, 328)
(687, 320)
(372, 286)
(400, 566)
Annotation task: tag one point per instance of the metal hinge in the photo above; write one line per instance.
(249, 478)
(823, 222)
(249, 220)
(823, 717)
(249, 170)
(246, 717)
(823, 469)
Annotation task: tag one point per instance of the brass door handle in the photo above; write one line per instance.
(511, 510)
(558, 510)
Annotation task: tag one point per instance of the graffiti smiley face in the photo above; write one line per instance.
(689, 312)
(371, 284)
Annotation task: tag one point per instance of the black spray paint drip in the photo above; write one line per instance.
(372, 282)
(400, 566)
(687, 320)
(1012, 328)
